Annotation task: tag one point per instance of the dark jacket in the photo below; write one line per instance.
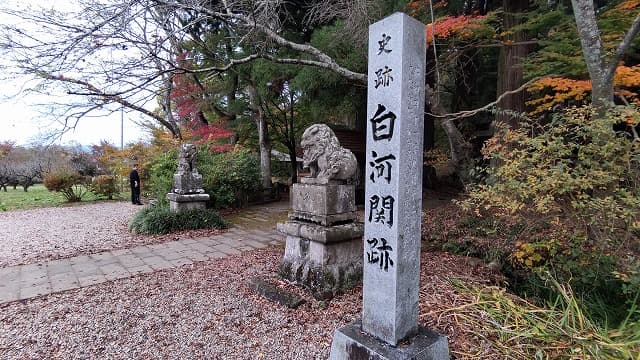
(133, 178)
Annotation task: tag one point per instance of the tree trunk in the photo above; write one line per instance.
(510, 71)
(263, 135)
(294, 166)
(459, 148)
(594, 54)
(292, 141)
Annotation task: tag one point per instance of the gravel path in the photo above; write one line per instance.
(203, 310)
(206, 310)
(30, 236)
(199, 311)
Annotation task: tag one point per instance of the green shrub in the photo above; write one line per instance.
(575, 184)
(576, 166)
(227, 177)
(72, 186)
(161, 175)
(161, 220)
(105, 186)
(230, 177)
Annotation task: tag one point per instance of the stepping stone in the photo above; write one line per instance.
(275, 294)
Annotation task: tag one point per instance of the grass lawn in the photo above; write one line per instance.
(37, 196)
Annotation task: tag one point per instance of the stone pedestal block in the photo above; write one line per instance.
(187, 183)
(321, 234)
(178, 202)
(350, 342)
(324, 259)
(325, 204)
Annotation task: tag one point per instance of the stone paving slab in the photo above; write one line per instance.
(27, 292)
(33, 280)
(64, 282)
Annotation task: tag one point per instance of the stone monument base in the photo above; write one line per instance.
(350, 342)
(187, 183)
(326, 260)
(179, 202)
(327, 204)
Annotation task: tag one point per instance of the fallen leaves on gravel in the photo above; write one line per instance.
(206, 310)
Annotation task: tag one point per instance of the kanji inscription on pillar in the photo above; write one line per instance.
(393, 200)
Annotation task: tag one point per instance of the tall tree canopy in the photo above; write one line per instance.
(199, 61)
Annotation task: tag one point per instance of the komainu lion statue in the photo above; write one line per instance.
(187, 159)
(324, 156)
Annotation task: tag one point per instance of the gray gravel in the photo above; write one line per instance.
(28, 236)
(200, 311)
(204, 310)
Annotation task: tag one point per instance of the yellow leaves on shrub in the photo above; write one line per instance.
(435, 157)
(575, 166)
(531, 255)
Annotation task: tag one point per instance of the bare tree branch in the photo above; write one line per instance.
(110, 97)
(251, 24)
(624, 46)
(487, 107)
(357, 15)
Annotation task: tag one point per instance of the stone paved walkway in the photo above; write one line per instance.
(253, 228)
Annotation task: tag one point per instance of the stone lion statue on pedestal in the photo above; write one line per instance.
(187, 159)
(187, 180)
(324, 156)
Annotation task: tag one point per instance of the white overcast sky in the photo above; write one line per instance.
(23, 119)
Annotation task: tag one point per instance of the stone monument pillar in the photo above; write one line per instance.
(323, 248)
(187, 192)
(393, 202)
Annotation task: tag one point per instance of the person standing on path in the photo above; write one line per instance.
(134, 181)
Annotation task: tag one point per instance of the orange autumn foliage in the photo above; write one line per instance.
(628, 76)
(462, 26)
(556, 90)
(424, 5)
(628, 5)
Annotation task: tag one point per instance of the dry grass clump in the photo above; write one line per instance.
(516, 329)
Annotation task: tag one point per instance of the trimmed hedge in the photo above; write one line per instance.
(161, 220)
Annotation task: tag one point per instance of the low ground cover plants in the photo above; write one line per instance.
(161, 220)
(559, 216)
